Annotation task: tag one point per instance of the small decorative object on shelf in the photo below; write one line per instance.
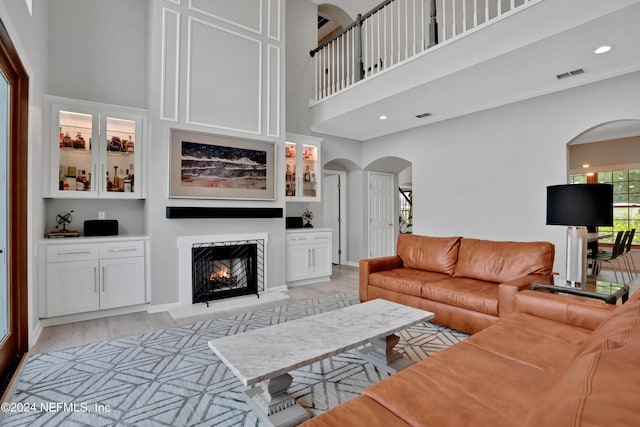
(308, 216)
(63, 218)
(114, 144)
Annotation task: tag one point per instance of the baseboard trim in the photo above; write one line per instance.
(352, 263)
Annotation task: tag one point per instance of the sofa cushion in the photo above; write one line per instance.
(514, 336)
(617, 330)
(408, 281)
(601, 386)
(503, 261)
(462, 386)
(437, 254)
(475, 295)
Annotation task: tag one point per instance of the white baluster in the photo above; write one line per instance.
(399, 32)
(499, 7)
(454, 18)
(315, 62)
(464, 16)
(334, 47)
(406, 29)
(372, 32)
(423, 18)
(486, 10)
(475, 13)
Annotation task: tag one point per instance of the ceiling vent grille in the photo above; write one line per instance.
(423, 115)
(570, 73)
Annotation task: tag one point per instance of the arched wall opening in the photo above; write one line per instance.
(610, 153)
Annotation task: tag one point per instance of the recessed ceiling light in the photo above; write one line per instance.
(602, 49)
(586, 165)
(590, 174)
(383, 117)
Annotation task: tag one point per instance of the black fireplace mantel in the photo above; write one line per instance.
(186, 212)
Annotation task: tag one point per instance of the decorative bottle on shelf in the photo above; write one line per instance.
(307, 174)
(312, 177)
(130, 145)
(127, 182)
(131, 176)
(79, 182)
(288, 174)
(61, 138)
(109, 183)
(121, 180)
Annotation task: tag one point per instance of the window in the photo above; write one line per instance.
(406, 214)
(626, 200)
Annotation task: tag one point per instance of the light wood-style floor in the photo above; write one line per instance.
(344, 279)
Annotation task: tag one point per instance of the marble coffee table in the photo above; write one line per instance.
(263, 358)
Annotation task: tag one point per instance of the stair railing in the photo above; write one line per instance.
(395, 31)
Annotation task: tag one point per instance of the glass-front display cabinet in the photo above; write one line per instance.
(96, 150)
(302, 168)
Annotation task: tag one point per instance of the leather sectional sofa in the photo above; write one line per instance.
(558, 360)
(467, 283)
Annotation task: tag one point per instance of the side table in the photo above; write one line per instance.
(608, 292)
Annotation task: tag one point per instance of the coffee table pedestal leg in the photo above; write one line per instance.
(271, 401)
(380, 353)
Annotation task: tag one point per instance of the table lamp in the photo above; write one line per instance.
(579, 206)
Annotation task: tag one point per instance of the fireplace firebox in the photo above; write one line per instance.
(225, 270)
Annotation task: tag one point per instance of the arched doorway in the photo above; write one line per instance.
(610, 153)
(331, 21)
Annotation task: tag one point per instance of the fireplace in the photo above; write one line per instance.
(226, 269)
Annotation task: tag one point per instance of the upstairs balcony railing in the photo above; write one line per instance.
(395, 31)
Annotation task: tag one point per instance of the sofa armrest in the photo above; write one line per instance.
(507, 291)
(372, 265)
(572, 310)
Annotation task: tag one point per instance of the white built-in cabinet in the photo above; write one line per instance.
(303, 177)
(308, 255)
(95, 150)
(86, 275)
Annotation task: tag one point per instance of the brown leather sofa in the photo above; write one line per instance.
(558, 360)
(467, 283)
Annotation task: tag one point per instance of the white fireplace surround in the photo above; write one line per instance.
(185, 267)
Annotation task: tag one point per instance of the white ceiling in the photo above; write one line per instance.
(487, 69)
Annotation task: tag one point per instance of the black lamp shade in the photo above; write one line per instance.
(580, 204)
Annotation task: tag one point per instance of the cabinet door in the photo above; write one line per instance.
(297, 262)
(122, 282)
(73, 157)
(302, 173)
(120, 155)
(320, 261)
(72, 287)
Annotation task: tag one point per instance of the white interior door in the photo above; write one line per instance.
(331, 185)
(381, 218)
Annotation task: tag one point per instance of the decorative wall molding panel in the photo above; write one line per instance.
(273, 95)
(170, 65)
(246, 14)
(224, 89)
(206, 83)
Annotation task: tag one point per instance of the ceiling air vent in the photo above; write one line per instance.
(423, 115)
(570, 73)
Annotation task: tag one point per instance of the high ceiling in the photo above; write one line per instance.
(487, 69)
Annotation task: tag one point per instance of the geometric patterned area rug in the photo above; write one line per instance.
(171, 377)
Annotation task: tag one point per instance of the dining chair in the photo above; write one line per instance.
(610, 257)
(628, 257)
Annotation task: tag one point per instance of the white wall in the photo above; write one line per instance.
(97, 50)
(29, 33)
(485, 175)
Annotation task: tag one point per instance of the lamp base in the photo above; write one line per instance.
(576, 256)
